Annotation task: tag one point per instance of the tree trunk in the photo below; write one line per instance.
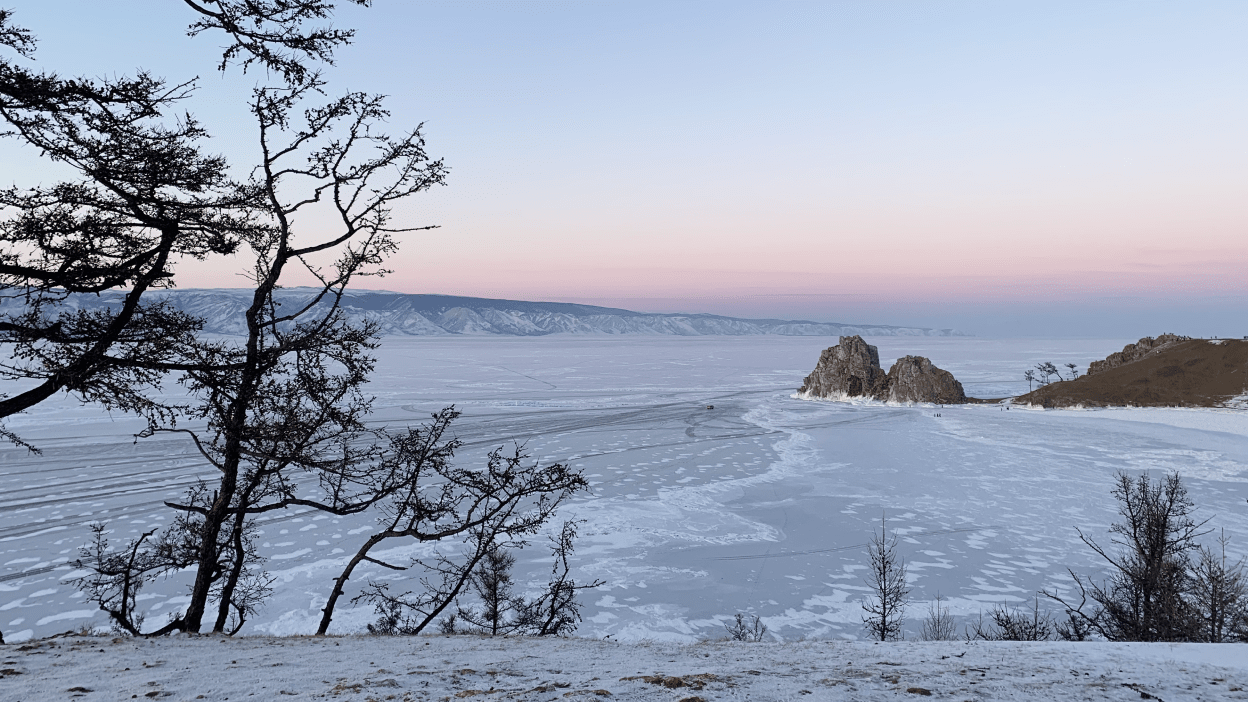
(236, 571)
(328, 612)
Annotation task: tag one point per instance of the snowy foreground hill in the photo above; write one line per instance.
(399, 314)
(463, 667)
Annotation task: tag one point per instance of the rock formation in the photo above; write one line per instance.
(915, 379)
(849, 369)
(852, 369)
(1134, 352)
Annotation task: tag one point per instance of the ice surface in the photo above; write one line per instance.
(761, 504)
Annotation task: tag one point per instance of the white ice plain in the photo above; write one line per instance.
(759, 505)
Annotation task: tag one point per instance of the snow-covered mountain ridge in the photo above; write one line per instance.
(401, 314)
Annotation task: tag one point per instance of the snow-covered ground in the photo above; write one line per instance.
(759, 505)
(461, 667)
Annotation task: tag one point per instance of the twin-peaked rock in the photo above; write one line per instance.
(852, 369)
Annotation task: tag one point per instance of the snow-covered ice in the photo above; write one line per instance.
(759, 505)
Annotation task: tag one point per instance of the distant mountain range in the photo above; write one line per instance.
(401, 314)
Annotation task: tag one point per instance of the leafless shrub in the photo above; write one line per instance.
(939, 625)
(746, 627)
(448, 625)
(1011, 625)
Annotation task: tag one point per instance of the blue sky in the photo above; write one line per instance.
(1007, 168)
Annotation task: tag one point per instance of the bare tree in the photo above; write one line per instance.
(1030, 377)
(287, 401)
(885, 610)
(746, 627)
(1220, 595)
(274, 34)
(283, 410)
(939, 625)
(1146, 597)
(1074, 370)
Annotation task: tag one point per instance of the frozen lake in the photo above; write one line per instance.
(762, 504)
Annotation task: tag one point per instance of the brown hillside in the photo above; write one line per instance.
(1191, 373)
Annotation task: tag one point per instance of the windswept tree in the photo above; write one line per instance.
(1047, 370)
(287, 401)
(278, 416)
(145, 193)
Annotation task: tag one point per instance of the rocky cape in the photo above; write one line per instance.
(852, 369)
(399, 314)
(1164, 371)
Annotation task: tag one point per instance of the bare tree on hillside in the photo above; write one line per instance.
(1030, 377)
(885, 610)
(280, 415)
(1047, 370)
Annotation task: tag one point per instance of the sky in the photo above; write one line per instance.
(1046, 169)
